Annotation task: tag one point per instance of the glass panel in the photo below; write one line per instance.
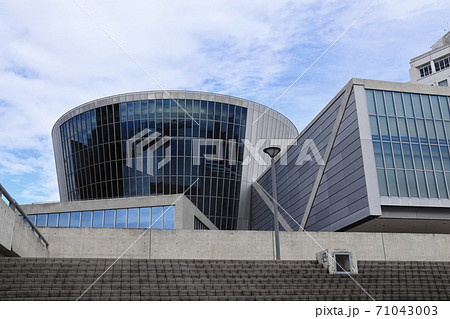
(374, 128)
(86, 219)
(412, 131)
(431, 132)
(380, 102)
(440, 132)
(383, 128)
(110, 218)
(402, 186)
(121, 218)
(417, 105)
(41, 220)
(426, 157)
(431, 185)
(98, 219)
(417, 156)
(397, 155)
(445, 157)
(392, 182)
(412, 185)
(389, 103)
(398, 104)
(403, 130)
(423, 193)
(144, 217)
(442, 187)
(408, 105)
(435, 106)
(169, 217)
(378, 154)
(370, 102)
(75, 219)
(393, 129)
(447, 130)
(407, 156)
(133, 216)
(63, 220)
(421, 130)
(426, 107)
(436, 158)
(444, 107)
(52, 220)
(388, 160)
(157, 217)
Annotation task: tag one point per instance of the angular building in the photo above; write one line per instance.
(163, 143)
(375, 159)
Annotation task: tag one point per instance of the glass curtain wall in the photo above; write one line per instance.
(95, 154)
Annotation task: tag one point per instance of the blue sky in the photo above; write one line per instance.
(53, 58)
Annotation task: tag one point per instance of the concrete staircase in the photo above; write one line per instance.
(138, 279)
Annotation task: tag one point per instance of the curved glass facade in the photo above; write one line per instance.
(411, 141)
(97, 166)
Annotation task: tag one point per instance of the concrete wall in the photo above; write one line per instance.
(244, 245)
(184, 209)
(16, 238)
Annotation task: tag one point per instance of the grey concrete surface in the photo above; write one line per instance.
(244, 245)
(16, 238)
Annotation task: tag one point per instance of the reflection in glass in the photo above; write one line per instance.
(109, 219)
(144, 217)
(63, 220)
(75, 219)
(121, 219)
(86, 219)
(52, 220)
(41, 220)
(133, 215)
(169, 217)
(98, 219)
(157, 217)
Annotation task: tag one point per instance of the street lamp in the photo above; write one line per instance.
(273, 151)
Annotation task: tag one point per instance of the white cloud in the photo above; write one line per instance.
(53, 57)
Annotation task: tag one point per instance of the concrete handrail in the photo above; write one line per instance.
(15, 206)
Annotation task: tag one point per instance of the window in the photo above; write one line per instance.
(86, 219)
(169, 217)
(41, 220)
(442, 64)
(109, 218)
(133, 215)
(157, 217)
(425, 70)
(443, 83)
(75, 219)
(98, 219)
(52, 220)
(121, 219)
(63, 220)
(144, 217)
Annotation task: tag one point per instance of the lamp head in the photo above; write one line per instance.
(272, 151)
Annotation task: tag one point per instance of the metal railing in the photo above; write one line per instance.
(16, 207)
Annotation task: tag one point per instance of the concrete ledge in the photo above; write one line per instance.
(16, 238)
(242, 245)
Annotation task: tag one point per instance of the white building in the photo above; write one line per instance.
(433, 67)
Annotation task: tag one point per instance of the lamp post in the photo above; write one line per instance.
(273, 151)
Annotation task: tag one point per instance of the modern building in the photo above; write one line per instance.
(203, 145)
(433, 67)
(375, 159)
